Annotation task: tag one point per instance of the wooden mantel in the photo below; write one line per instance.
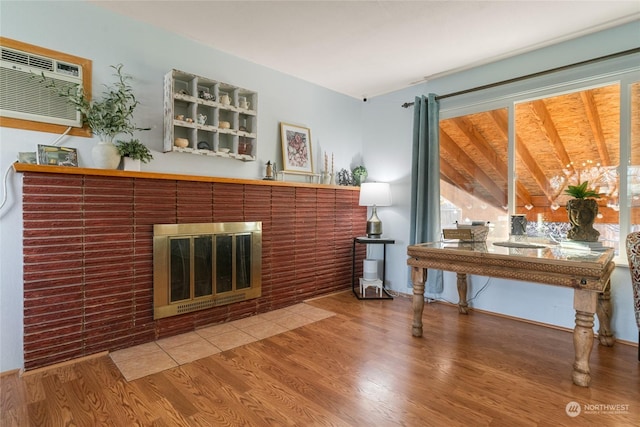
(25, 167)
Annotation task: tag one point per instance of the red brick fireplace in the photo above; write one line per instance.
(88, 251)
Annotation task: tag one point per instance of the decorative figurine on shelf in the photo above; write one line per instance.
(181, 142)
(245, 146)
(326, 176)
(333, 175)
(203, 94)
(243, 103)
(344, 177)
(269, 174)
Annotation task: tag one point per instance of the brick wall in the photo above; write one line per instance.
(88, 256)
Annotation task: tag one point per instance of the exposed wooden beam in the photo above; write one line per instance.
(539, 109)
(480, 143)
(451, 175)
(534, 168)
(455, 179)
(446, 179)
(467, 163)
(593, 117)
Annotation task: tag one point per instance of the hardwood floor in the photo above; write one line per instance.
(361, 367)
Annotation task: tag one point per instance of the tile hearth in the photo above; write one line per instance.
(150, 358)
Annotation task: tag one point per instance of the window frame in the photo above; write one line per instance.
(623, 71)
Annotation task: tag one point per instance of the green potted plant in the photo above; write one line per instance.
(582, 210)
(359, 175)
(107, 117)
(134, 152)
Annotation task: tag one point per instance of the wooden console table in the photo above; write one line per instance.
(587, 273)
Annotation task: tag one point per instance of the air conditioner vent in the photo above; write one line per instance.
(41, 63)
(15, 56)
(22, 58)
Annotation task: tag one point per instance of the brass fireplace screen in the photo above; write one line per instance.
(198, 266)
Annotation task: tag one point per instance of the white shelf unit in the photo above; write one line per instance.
(185, 98)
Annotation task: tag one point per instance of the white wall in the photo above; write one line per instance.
(81, 29)
(387, 136)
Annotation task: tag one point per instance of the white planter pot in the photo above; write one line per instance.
(105, 155)
(131, 164)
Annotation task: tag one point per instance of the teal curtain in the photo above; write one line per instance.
(425, 180)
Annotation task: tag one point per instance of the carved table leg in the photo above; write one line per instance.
(604, 310)
(584, 303)
(418, 277)
(462, 293)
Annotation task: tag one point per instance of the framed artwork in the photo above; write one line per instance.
(296, 149)
(57, 156)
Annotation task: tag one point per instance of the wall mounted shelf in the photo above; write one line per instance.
(225, 129)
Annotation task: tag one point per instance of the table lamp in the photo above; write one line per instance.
(375, 194)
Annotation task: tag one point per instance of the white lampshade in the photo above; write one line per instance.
(375, 194)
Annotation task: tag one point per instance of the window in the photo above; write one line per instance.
(474, 169)
(517, 154)
(566, 140)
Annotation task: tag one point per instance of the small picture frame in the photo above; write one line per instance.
(296, 149)
(29, 157)
(57, 156)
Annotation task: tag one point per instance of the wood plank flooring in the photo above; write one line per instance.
(360, 367)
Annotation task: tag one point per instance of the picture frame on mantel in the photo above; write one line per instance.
(296, 149)
(54, 155)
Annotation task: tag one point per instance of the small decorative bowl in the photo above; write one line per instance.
(181, 142)
(224, 125)
(224, 150)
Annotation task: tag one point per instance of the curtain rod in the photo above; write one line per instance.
(529, 76)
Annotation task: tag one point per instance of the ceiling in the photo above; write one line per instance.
(368, 48)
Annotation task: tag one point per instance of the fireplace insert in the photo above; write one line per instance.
(199, 266)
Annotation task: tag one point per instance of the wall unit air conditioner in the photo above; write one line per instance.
(23, 96)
